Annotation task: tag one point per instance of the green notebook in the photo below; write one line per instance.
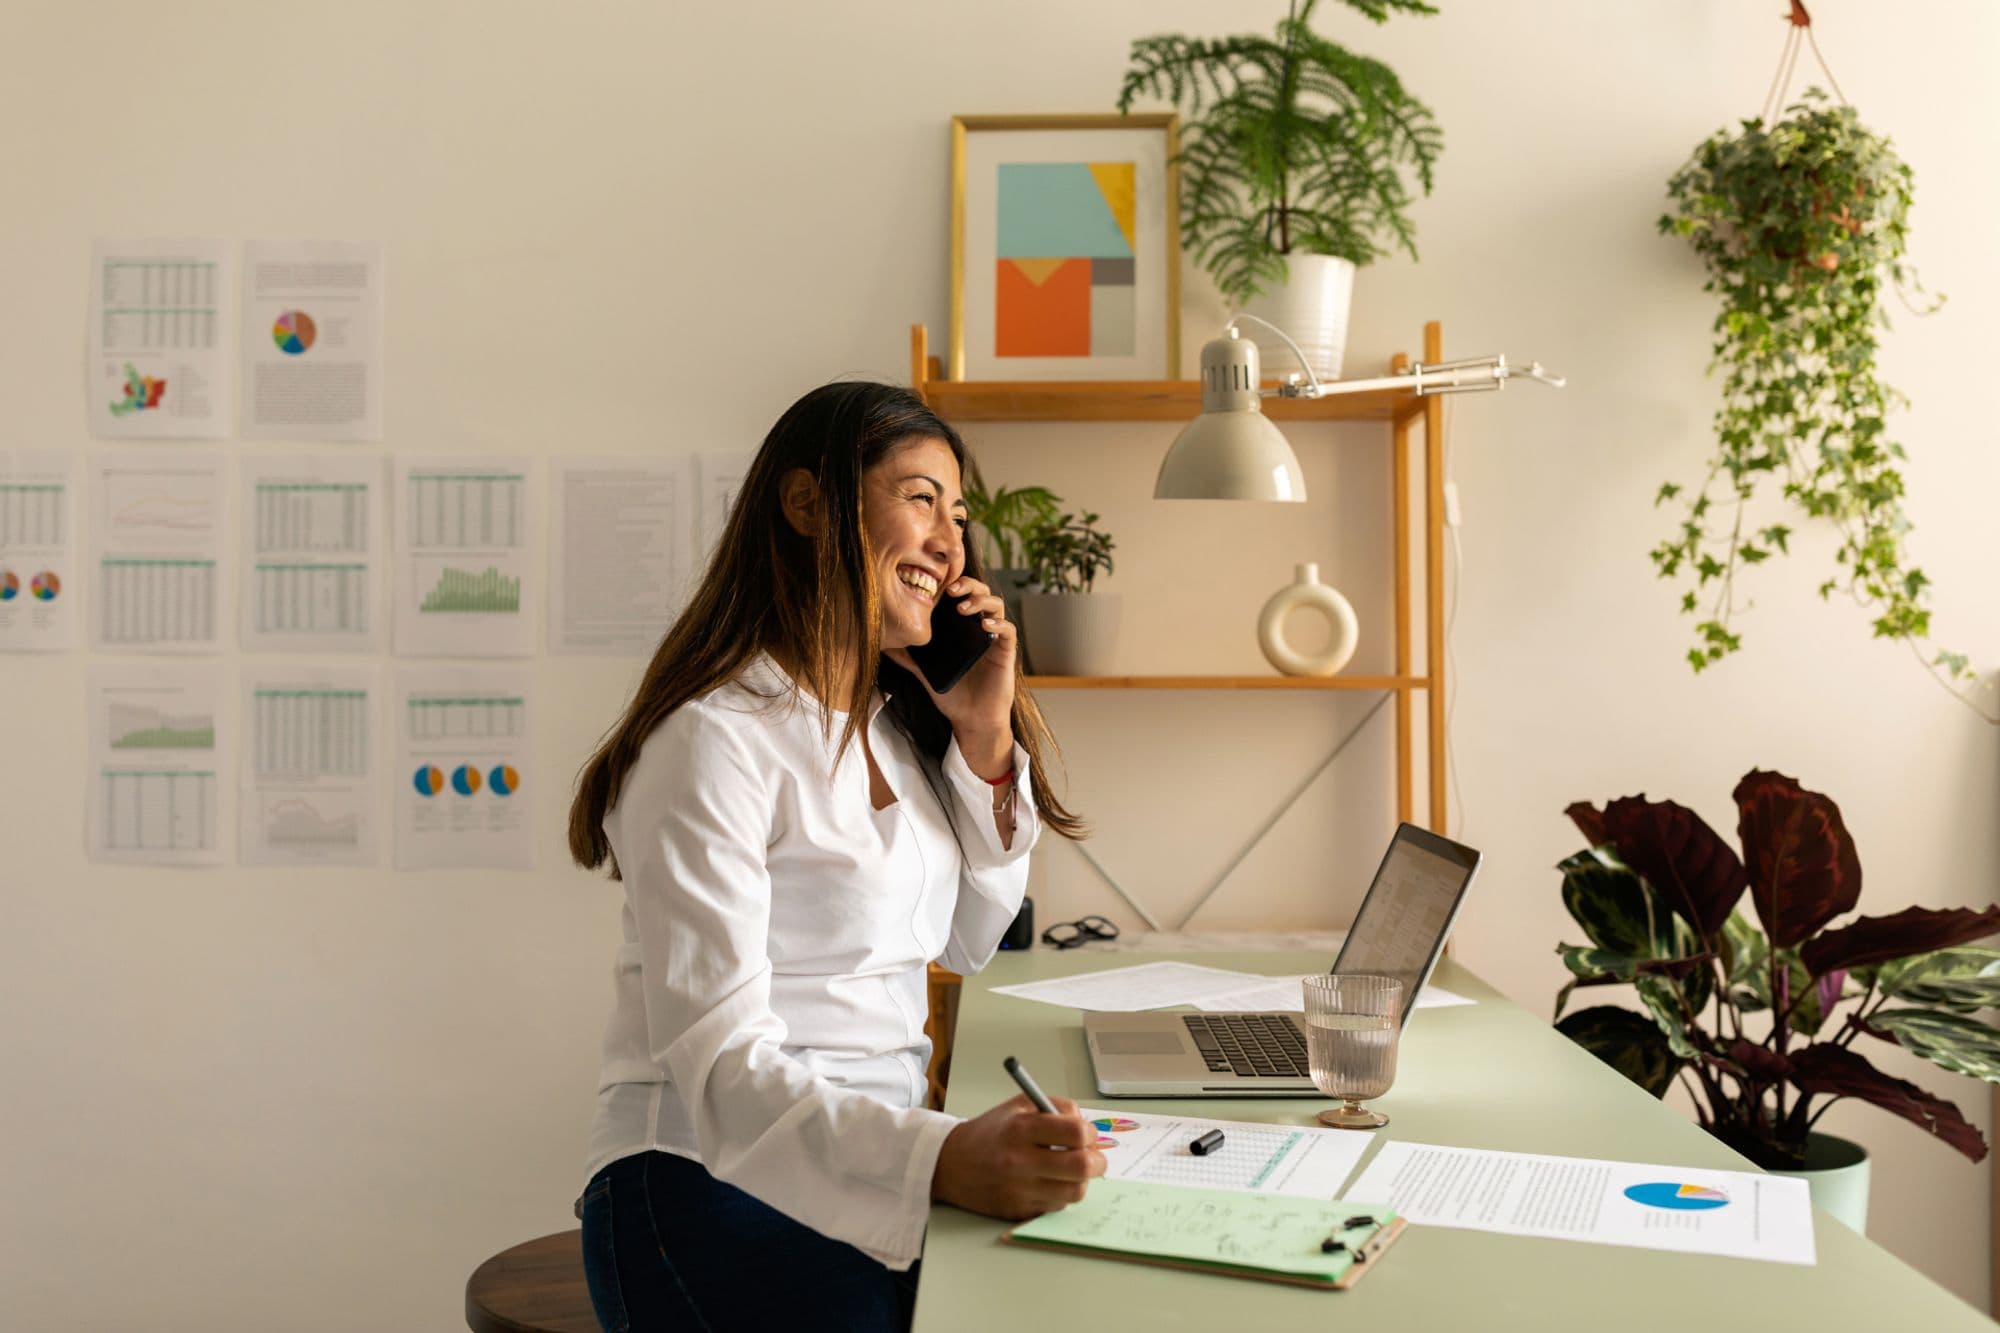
(1265, 1236)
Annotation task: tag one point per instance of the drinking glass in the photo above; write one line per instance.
(1351, 1032)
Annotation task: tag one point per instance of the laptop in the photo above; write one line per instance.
(1399, 932)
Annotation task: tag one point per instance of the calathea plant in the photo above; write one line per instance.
(1801, 225)
(1762, 1024)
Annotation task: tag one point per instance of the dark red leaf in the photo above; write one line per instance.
(1589, 821)
(1802, 866)
(1877, 939)
(1680, 856)
(1824, 1067)
(1760, 1062)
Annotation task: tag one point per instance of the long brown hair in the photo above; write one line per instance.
(770, 588)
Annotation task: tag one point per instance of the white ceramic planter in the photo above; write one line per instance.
(1072, 634)
(1836, 1172)
(1312, 307)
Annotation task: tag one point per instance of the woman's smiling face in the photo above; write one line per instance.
(914, 513)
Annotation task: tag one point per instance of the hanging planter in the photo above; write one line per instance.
(1801, 221)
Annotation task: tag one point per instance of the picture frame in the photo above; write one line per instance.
(1065, 247)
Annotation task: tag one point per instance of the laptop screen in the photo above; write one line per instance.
(1407, 915)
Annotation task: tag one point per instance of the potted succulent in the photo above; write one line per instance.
(1002, 520)
(1295, 160)
(1801, 225)
(1074, 630)
(1761, 1024)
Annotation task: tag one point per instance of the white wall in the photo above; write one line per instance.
(240, 1100)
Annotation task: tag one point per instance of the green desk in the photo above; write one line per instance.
(1489, 1075)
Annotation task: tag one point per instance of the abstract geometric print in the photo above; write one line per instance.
(1064, 285)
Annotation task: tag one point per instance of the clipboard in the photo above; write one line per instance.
(1263, 1237)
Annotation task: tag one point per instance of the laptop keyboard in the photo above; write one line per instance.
(1253, 1045)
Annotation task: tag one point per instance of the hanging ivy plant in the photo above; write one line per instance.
(1802, 226)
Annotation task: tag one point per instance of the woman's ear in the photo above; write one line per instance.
(798, 493)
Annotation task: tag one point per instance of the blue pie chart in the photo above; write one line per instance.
(1675, 1196)
(503, 779)
(429, 781)
(465, 779)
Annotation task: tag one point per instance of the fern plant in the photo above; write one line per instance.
(1291, 144)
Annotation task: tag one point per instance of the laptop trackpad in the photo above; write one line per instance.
(1140, 1043)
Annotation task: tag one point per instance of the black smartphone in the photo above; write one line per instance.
(957, 641)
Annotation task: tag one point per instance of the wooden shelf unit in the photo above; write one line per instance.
(1180, 400)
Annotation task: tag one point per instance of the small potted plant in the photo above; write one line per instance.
(1753, 1020)
(1002, 520)
(1295, 160)
(1074, 629)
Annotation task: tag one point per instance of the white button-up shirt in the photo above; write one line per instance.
(770, 990)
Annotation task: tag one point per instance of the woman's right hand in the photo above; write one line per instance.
(1007, 1163)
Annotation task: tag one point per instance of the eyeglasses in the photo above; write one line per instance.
(1069, 934)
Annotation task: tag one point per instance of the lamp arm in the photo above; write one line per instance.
(1287, 339)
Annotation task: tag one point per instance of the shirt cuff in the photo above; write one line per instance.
(900, 1246)
(977, 795)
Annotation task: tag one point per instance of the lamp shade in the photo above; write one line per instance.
(1232, 451)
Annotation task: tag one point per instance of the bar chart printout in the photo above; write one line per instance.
(313, 545)
(37, 551)
(159, 359)
(464, 534)
(465, 769)
(310, 775)
(156, 752)
(157, 543)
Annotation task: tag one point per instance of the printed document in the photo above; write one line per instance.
(38, 580)
(464, 533)
(312, 340)
(310, 773)
(1697, 1210)
(156, 747)
(465, 768)
(1284, 995)
(1307, 1161)
(313, 545)
(1130, 989)
(156, 543)
(617, 568)
(159, 340)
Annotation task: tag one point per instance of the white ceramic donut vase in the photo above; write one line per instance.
(1307, 592)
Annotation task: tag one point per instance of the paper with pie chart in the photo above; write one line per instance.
(1740, 1214)
(1304, 1161)
(311, 775)
(37, 550)
(311, 339)
(464, 777)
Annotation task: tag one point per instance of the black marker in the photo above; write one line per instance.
(1207, 1143)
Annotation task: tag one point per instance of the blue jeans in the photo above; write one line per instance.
(668, 1246)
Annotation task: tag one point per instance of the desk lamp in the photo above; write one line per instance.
(1232, 451)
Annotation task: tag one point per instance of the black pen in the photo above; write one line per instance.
(1019, 1072)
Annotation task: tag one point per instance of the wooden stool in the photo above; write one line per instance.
(536, 1287)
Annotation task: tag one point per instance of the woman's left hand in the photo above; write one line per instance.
(980, 707)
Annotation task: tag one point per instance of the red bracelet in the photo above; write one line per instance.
(1000, 781)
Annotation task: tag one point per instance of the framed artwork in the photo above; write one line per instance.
(1065, 248)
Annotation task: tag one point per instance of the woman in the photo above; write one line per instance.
(762, 1156)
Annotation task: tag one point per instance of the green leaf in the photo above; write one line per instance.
(1658, 997)
(1746, 959)
(1951, 1041)
(1616, 909)
(1963, 980)
(1628, 1042)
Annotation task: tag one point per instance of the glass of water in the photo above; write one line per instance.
(1351, 1031)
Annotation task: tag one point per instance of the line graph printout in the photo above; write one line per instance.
(312, 340)
(617, 568)
(159, 342)
(464, 777)
(310, 772)
(157, 526)
(156, 747)
(464, 533)
(313, 546)
(1306, 1161)
(38, 582)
